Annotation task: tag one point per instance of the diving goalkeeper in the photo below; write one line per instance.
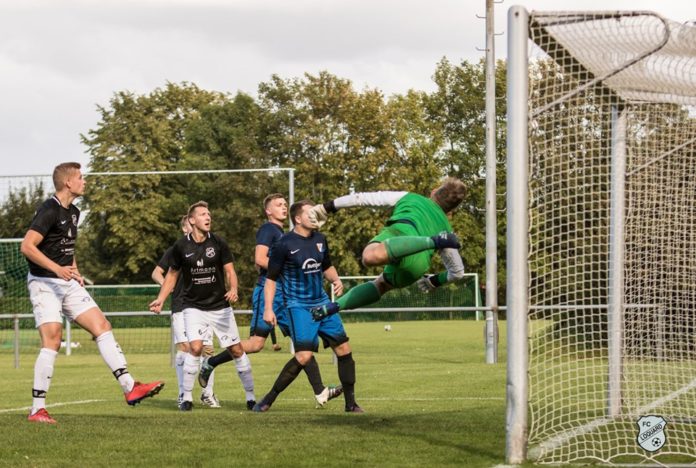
(417, 228)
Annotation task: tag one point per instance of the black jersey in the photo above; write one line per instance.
(58, 226)
(164, 263)
(201, 267)
(267, 235)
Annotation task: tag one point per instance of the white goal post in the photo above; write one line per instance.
(601, 259)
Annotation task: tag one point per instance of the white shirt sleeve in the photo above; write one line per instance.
(368, 199)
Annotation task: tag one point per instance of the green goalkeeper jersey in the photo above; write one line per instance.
(426, 215)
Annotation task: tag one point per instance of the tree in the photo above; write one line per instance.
(18, 210)
(132, 219)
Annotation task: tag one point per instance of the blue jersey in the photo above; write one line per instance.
(267, 235)
(298, 263)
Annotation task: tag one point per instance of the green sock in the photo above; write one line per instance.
(360, 295)
(398, 247)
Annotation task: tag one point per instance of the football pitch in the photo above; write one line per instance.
(430, 400)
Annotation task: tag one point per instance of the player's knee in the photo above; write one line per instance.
(343, 349)
(236, 350)
(375, 255)
(196, 348)
(303, 357)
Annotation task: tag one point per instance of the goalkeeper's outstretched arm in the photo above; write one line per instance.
(319, 213)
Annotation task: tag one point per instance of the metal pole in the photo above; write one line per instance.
(616, 258)
(16, 342)
(491, 221)
(517, 228)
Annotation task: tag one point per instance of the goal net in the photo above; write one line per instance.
(611, 212)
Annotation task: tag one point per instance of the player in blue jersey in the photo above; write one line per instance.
(276, 210)
(299, 262)
(56, 290)
(210, 284)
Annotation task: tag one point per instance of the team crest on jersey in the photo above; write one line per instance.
(320, 247)
(651, 432)
(210, 252)
(74, 219)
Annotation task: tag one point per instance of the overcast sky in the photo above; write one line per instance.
(60, 58)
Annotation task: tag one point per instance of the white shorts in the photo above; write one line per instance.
(53, 297)
(179, 330)
(200, 324)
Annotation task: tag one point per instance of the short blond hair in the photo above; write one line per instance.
(450, 194)
(62, 173)
(192, 208)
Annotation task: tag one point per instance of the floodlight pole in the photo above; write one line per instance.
(517, 243)
(491, 327)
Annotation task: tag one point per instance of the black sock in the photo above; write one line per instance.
(274, 340)
(220, 358)
(314, 376)
(346, 374)
(289, 373)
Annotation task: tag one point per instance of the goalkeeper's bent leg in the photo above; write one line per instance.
(399, 247)
(361, 295)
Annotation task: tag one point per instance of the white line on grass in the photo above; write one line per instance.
(559, 440)
(67, 403)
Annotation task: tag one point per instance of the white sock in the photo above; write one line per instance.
(243, 365)
(114, 358)
(208, 390)
(191, 366)
(43, 371)
(179, 366)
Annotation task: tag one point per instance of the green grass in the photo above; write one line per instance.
(429, 398)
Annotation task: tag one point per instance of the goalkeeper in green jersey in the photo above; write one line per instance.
(417, 228)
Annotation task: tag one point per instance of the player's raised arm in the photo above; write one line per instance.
(318, 214)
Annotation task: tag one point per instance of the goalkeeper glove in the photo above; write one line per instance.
(317, 216)
(428, 283)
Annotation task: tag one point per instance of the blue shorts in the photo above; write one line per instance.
(305, 332)
(258, 326)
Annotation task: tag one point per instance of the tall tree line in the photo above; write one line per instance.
(338, 139)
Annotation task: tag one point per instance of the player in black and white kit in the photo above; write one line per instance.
(208, 396)
(56, 289)
(210, 284)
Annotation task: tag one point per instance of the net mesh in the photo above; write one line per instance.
(589, 72)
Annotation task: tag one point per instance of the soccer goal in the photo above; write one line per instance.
(601, 243)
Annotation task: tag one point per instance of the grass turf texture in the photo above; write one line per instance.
(429, 398)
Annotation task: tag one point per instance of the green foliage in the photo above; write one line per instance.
(18, 210)
(132, 219)
(338, 139)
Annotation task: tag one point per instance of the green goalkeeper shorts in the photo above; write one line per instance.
(410, 268)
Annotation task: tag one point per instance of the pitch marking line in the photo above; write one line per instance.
(67, 403)
(418, 399)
